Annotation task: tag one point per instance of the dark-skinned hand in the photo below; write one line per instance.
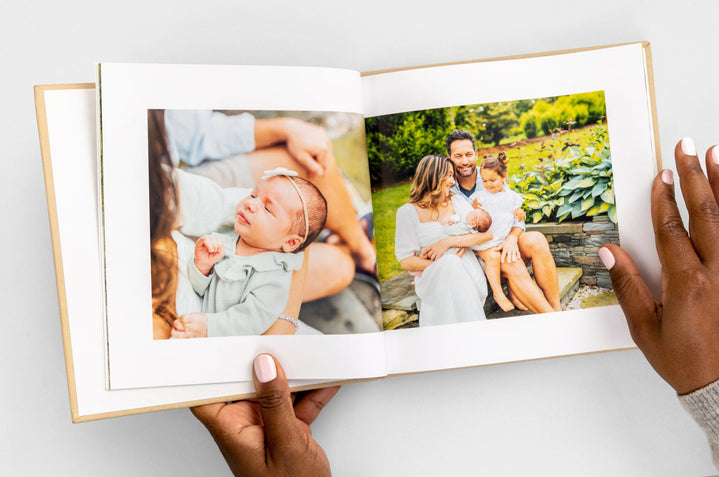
(270, 436)
(679, 334)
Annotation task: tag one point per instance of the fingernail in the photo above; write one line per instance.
(667, 177)
(715, 155)
(688, 147)
(606, 257)
(265, 369)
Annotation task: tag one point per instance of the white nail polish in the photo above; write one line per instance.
(606, 257)
(667, 177)
(688, 147)
(715, 155)
(265, 369)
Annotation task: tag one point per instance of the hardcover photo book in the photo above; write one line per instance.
(354, 225)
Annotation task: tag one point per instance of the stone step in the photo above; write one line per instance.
(398, 291)
(568, 278)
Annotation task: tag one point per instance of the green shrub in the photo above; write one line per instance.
(531, 128)
(572, 111)
(571, 180)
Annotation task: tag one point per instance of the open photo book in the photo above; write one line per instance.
(355, 226)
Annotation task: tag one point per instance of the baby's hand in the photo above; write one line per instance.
(191, 325)
(208, 251)
(519, 214)
(476, 204)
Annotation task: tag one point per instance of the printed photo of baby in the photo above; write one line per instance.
(275, 230)
(244, 277)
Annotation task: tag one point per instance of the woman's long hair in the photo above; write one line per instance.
(426, 190)
(163, 215)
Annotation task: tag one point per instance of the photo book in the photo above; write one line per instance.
(354, 225)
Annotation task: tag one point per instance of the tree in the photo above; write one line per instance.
(496, 119)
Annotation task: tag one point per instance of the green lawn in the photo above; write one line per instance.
(385, 204)
(526, 158)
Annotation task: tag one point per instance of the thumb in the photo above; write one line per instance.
(273, 396)
(633, 294)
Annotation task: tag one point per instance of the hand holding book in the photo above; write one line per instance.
(679, 335)
(270, 436)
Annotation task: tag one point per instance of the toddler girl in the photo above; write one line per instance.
(502, 204)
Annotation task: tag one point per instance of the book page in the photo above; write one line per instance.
(72, 190)
(237, 228)
(572, 136)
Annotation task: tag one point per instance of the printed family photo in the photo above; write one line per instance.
(492, 210)
(275, 232)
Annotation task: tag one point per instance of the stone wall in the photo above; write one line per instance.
(576, 244)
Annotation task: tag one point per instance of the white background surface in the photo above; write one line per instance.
(606, 414)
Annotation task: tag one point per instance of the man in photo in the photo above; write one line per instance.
(527, 246)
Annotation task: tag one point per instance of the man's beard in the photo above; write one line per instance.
(469, 172)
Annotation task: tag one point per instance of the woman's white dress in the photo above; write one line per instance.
(451, 290)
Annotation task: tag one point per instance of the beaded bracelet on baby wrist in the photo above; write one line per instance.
(282, 316)
(459, 242)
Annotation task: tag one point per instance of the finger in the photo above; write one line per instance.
(633, 294)
(700, 201)
(712, 163)
(322, 159)
(674, 247)
(273, 396)
(308, 406)
(308, 162)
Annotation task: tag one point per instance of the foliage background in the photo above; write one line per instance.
(558, 150)
(397, 142)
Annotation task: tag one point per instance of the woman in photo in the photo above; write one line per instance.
(451, 286)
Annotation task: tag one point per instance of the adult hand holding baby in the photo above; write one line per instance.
(520, 215)
(437, 249)
(509, 249)
(190, 325)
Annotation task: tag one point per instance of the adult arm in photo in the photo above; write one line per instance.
(509, 247)
(199, 135)
(460, 242)
(294, 302)
(308, 144)
(679, 334)
(408, 250)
